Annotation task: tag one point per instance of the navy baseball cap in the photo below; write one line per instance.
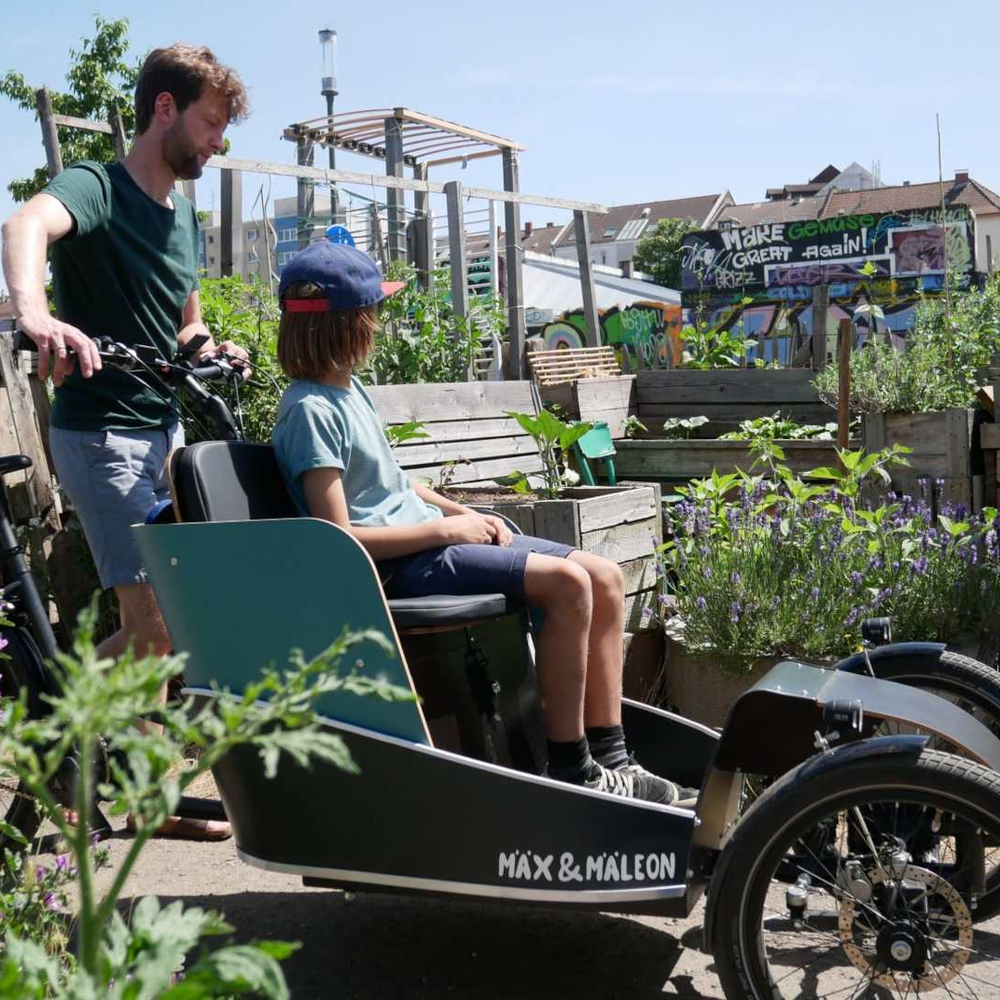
(349, 277)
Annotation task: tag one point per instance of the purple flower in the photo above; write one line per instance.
(775, 601)
(814, 593)
(852, 617)
(50, 901)
(920, 566)
(40, 872)
(700, 603)
(3, 641)
(735, 578)
(62, 862)
(856, 578)
(734, 612)
(875, 562)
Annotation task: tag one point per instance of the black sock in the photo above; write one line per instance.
(607, 745)
(570, 761)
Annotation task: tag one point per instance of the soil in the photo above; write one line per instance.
(486, 496)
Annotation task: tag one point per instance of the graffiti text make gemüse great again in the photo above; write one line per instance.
(764, 244)
(615, 866)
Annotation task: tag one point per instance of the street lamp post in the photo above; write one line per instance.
(328, 43)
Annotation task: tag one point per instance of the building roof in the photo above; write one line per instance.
(553, 283)
(898, 198)
(614, 224)
(815, 185)
(540, 239)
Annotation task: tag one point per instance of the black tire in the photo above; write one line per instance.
(967, 683)
(18, 808)
(892, 794)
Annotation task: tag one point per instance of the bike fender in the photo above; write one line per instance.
(929, 652)
(837, 757)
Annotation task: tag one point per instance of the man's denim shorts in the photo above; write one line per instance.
(466, 569)
(114, 478)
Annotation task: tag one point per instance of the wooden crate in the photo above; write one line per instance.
(558, 373)
(622, 523)
(946, 446)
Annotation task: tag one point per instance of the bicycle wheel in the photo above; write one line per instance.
(886, 855)
(17, 807)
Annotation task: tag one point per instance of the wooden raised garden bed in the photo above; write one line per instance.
(673, 461)
(621, 523)
(946, 446)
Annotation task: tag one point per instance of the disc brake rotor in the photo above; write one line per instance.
(914, 959)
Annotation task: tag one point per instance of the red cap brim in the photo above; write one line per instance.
(391, 287)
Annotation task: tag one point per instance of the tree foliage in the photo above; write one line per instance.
(100, 79)
(658, 253)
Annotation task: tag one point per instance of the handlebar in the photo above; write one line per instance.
(142, 358)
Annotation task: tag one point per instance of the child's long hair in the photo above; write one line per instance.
(312, 345)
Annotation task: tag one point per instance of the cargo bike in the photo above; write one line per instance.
(865, 868)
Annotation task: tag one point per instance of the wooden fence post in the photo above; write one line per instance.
(459, 264)
(231, 224)
(514, 369)
(820, 305)
(118, 134)
(50, 134)
(845, 334)
(587, 279)
(395, 197)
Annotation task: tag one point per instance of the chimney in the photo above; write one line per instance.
(549, 225)
(528, 227)
(961, 176)
(906, 184)
(628, 269)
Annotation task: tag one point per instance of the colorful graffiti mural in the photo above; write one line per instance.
(644, 334)
(760, 279)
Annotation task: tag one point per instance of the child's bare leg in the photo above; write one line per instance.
(603, 699)
(562, 589)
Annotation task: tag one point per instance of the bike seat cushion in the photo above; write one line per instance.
(444, 610)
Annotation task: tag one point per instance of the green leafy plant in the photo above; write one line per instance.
(679, 428)
(633, 427)
(554, 438)
(103, 698)
(422, 340)
(779, 565)
(778, 427)
(936, 369)
(397, 434)
(245, 312)
(708, 348)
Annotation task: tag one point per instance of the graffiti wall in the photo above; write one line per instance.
(644, 334)
(760, 279)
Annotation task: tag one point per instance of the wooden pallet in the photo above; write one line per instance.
(568, 364)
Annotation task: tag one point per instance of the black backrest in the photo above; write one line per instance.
(228, 481)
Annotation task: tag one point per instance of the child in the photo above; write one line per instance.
(338, 465)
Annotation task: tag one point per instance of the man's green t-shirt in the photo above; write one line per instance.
(126, 270)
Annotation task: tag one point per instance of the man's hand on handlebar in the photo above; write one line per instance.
(56, 340)
(233, 351)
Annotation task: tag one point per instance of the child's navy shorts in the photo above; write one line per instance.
(466, 569)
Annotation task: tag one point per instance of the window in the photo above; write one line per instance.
(211, 240)
(633, 229)
(211, 261)
(285, 257)
(252, 256)
(287, 235)
(251, 234)
(609, 233)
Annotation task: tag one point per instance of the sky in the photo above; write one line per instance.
(615, 103)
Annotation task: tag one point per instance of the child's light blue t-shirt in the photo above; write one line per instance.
(329, 427)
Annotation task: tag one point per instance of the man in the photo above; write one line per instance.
(124, 263)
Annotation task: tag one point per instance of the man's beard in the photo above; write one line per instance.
(180, 155)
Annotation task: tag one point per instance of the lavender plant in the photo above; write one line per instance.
(777, 565)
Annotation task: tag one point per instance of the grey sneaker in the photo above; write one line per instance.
(633, 782)
(672, 795)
